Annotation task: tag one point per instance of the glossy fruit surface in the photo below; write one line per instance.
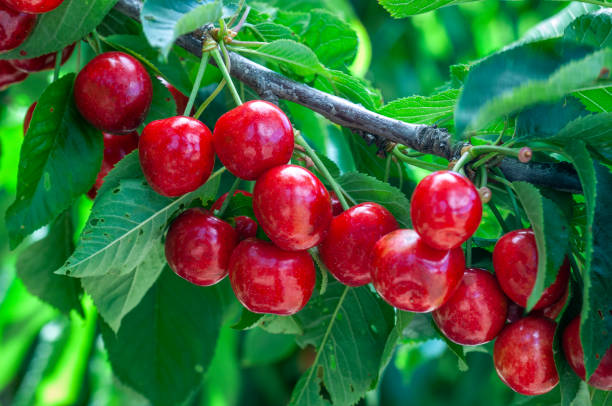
(267, 279)
(113, 92)
(476, 312)
(246, 227)
(115, 148)
(28, 118)
(179, 98)
(554, 310)
(253, 138)
(43, 62)
(10, 75)
(445, 209)
(33, 6)
(199, 246)
(347, 249)
(292, 207)
(15, 27)
(515, 259)
(411, 275)
(523, 356)
(572, 348)
(176, 155)
(336, 205)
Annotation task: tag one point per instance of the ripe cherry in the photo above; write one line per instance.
(347, 249)
(28, 118)
(292, 206)
(411, 275)
(515, 312)
(43, 62)
(199, 246)
(113, 92)
(267, 279)
(336, 205)
(476, 312)
(115, 148)
(15, 27)
(9, 75)
(445, 209)
(572, 348)
(554, 310)
(515, 259)
(176, 155)
(253, 138)
(33, 6)
(179, 98)
(523, 356)
(246, 227)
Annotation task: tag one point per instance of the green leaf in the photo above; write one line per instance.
(592, 29)
(546, 120)
(333, 41)
(402, 320)
(247, 320)
(49, 178)
(364, 188)
(116, 295)
(36, 264)
(239, 205)
(422, 109)
(163, 105)
(268, 32)
(349, 327)
(407, 8)
(263, 348)
(67, 24)
(164, 345)
(355, 89)
(596, 100)
(595, 130)
(551, 231)
(280, 324)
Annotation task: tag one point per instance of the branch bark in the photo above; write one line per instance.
(423, 138)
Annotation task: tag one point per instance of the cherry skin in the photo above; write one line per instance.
(292, 206)
(246, 227)
(43, 62)
(253, 138)
(347, 249)
(176, 155)
(476, 312)
(554, 310)
(267, 279)
(199, 246)
(411, 275)
(10, 75)
(523, 356)
(336, 205)
(15, 27)
(445, 209)
(515, 312)
(28, 118)
(515, 260)
(116, 147)
(113, 92)
(33, 6)
(572, 348)
(179, 98)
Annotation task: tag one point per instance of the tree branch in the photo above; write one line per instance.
(423, 138)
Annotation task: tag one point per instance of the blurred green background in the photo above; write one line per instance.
(48, 359)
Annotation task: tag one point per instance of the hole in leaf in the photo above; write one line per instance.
(322, 389)
(127, 215)
(94, 222)
(600, 314)
(140, 232)
(351, 388)
(115, 191)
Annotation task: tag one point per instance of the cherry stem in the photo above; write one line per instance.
(228, 199)
(221, 65)
(509, 190)
(483, 176)
(401, 174)
(388, 168)
(475, 151)
(417, 162)
(196, 84)
(468, 253)
(247, 44)
(78, 58)
(58, 64)
(499, 217)
(237, 13)
(314, 253)
(209, 99)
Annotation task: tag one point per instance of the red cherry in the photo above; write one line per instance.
(292, 206)
(347, 249)
(115, 148)
(554, 310)
(199, 246)
(515, 260)
(267, 279)
(253, 138)
(411, 275)
(572, 348)
(445, 209)
(336, 205)
(515, 312)
(476, 312)
(179, 98)
(10, 75)
(246, 227)
(176, 155)
(43, 62)
(15, 27)
(114, 92)
(523, 356)
(33, 6)
(28, 118)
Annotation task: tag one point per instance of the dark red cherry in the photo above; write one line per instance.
(199, 246)
(411, 275)
(28, 118)
(554, 310)
(33, 6)
(246, 227)
(523, 356)
(572, 348)
(253, 138)
(476, 312)
(15, 27)
(515, 312)
(347, 249)
(114, 92)
(292, 206)
(10, 75)
(115, 148)
(176, 155)
(445, 209)
(267, 279)
(179, 98)
(336, 205)
(515, 259)
(43, 62)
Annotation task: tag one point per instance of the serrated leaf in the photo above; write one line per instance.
(407, 8)
(546, 120)
(592, 29)
(49, 178)
(280, 324)
(164, 345)
(402, 320)
(267, 31)
(596, 100)
(595, 130)
(355, 89)
(333, 40)
(422, 109)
